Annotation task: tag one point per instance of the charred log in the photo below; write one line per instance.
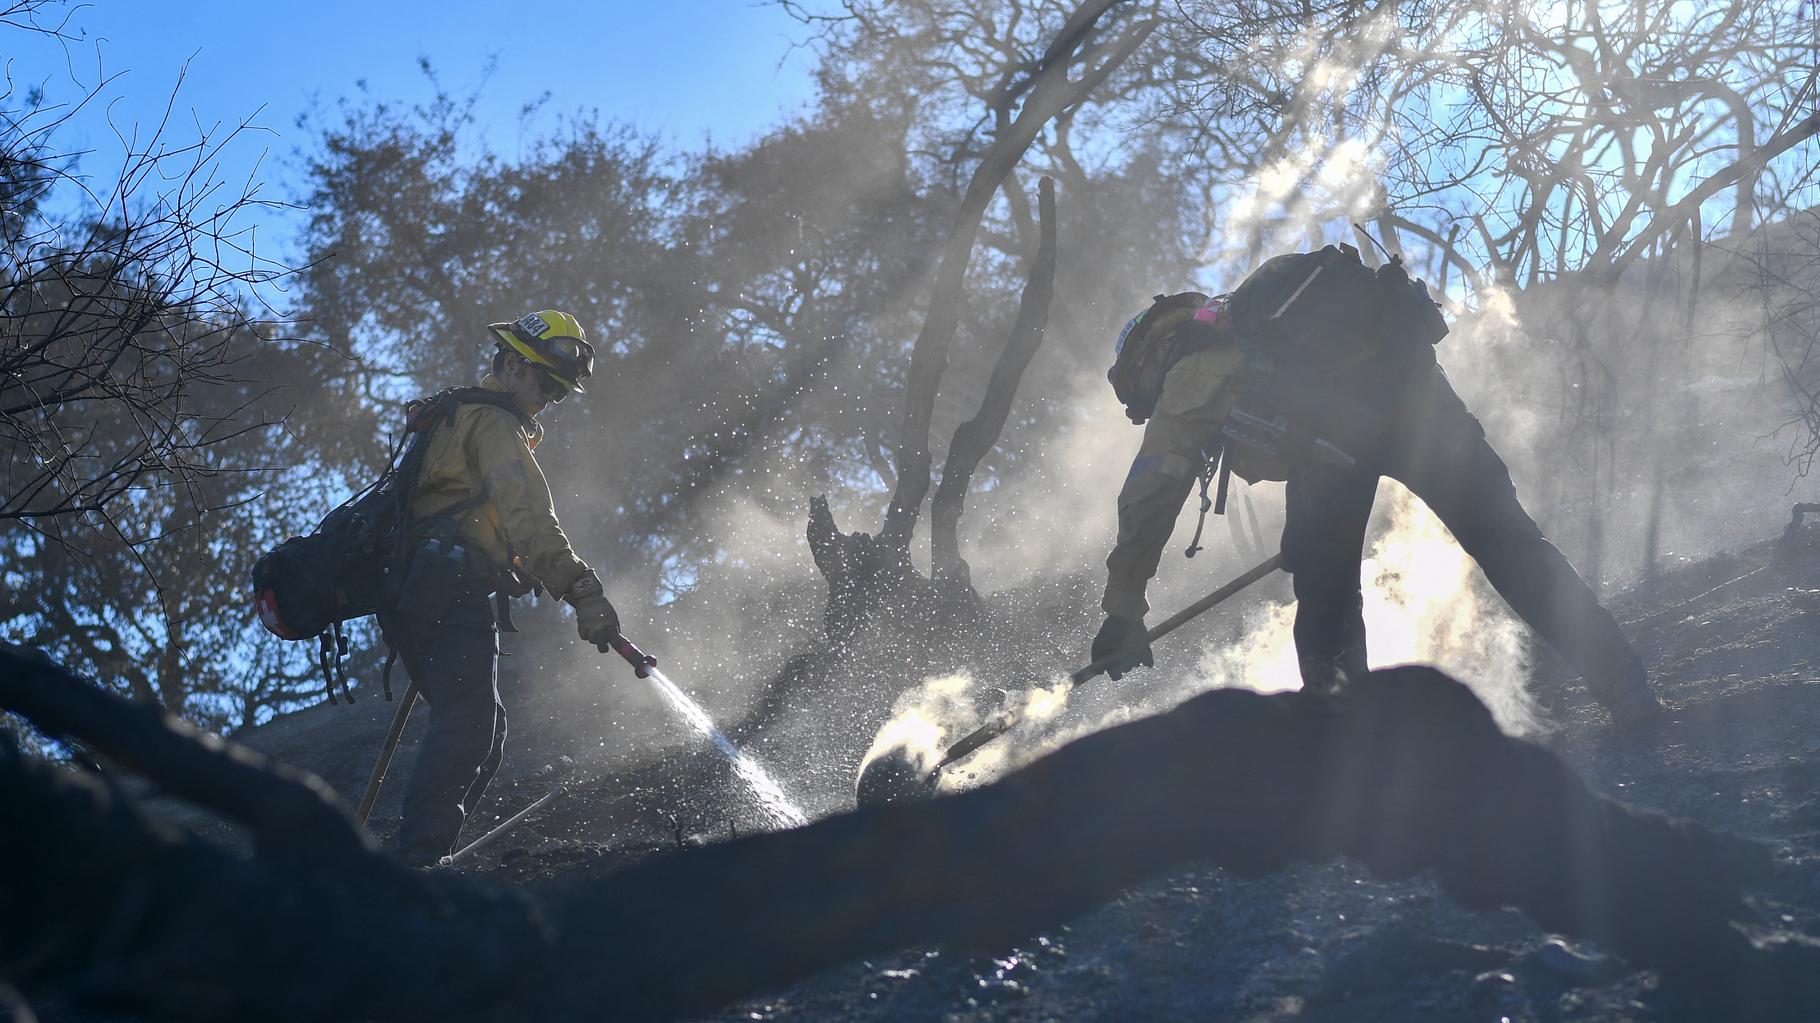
(288, 812)
(1405, 772)
(107, 909)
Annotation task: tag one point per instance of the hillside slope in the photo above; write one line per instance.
(1734, 642)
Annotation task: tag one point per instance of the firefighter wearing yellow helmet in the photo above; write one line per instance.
(554, 342)
(483, 526)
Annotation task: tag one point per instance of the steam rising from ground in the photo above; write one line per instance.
(1063, 512)
(930, 717)
(1425, 601)
(925, 719)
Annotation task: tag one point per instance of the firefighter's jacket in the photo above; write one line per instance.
(1198, 394)
(487, 451)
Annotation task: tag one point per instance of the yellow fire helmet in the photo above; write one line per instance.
(553, 341)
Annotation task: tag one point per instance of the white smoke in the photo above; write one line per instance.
(925, 719)
(1426, 601)
(1064, 510)
(930, 717)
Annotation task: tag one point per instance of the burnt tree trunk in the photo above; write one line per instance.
(976, 437)
(852, 562)
(867, 575)
(1049, 93)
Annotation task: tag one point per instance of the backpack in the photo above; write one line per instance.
(1321, 312)
(352, 564)
(1301, 319)
(1304, 319)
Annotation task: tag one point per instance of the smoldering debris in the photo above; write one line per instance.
(900, 764)
(903, 760)
(1425, 602)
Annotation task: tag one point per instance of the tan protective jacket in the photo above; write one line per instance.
(487, 450)
(1198, 394)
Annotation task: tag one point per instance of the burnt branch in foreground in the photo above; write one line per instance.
(1404, 773)
(109, 909)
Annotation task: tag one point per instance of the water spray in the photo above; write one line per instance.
(777, 806)
(898, 775)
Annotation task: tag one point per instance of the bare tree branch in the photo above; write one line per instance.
(1051, 92)
(1688, 206)
(975, 438)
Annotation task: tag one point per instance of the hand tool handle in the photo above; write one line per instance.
(384, 762)
(1185, 615)
(1001, 722)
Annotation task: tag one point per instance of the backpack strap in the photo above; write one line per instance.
(426, 414)
(385, 675)
(331, 656)
(446, 404)
(485, 396)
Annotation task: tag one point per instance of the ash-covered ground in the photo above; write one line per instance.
(1734, 642)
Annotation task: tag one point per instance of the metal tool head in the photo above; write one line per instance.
(895, 776)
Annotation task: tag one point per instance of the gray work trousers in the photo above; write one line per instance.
(1433, 445)
(453, 660)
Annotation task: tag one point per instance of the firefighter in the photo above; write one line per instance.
(483, 530)
(1398, 416)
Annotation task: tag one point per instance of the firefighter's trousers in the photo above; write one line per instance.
(1433, 445)
(453, 660)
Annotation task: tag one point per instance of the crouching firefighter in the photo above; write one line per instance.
(1320, 372)
(482, 530)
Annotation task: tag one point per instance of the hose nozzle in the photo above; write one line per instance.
(641, 662)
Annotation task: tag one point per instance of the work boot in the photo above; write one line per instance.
(416, 857)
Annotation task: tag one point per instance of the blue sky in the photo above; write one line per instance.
(686, 69)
